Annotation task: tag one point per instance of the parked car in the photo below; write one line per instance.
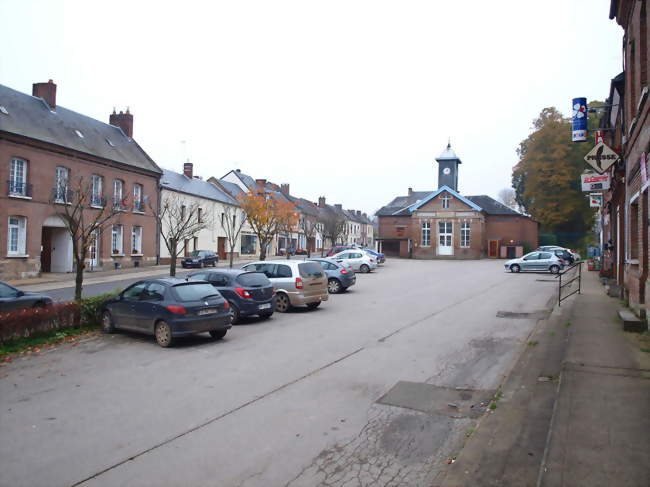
(563, 253)
(296, 283)
(536, 261)
(338, 248)
(168, 308)
(301, 252)
(360, 260)
(249, 293)
(339, 277)
(380, 256)
(12, 299)
(200, 258)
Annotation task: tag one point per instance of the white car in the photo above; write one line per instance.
(360, 261)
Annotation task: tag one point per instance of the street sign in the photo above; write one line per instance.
(595, 200)
(579, 120)
(599, 136)
(601, 157)
(595, 182)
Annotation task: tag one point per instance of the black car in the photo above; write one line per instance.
(249, 293)
(12, 299)
(168, 308)
(200, 258)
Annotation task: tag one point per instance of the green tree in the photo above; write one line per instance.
(546, 179)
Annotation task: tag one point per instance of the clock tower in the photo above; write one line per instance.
(448, 168)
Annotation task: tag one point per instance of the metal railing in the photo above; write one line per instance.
(571, 279)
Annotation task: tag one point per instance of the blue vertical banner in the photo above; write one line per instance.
(579, 121)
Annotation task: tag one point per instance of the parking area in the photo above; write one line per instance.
(284, 401)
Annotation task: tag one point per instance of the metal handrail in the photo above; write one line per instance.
(567, 283)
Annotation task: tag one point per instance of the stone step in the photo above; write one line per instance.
(631, 322)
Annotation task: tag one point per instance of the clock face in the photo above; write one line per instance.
(446, 171)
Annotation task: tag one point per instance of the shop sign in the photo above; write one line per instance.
(579, 120)
(601, 157)
(595, 182)
(595, 200)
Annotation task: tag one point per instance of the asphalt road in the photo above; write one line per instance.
(356, 392)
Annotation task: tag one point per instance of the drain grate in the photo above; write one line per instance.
(532, 315)
(427, 398)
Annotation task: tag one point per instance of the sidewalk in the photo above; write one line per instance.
(52, 281)
(574, 410)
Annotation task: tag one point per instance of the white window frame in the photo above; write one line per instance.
(61, 184)
(465, 234)
(16, 163)
(136, 240)
(138, 206)
(96, 191)
(445, 200)
(18, 228)
(118, 193)
(426, 234)
(117, 239)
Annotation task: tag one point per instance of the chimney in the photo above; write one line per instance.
(47, 91)
(284, 188)
(364, 215)
(321, 201)
(123, 121)
(188, 170)
(358, 212)
(410, 191)
(338, 207)
(261, 182)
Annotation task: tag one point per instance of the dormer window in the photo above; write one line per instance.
(110, 142)
(81, 136)
(4, 110)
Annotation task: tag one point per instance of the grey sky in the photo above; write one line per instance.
(348, 99)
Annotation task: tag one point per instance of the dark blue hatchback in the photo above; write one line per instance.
(249, 293)
(168, 308)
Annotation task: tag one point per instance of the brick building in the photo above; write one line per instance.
(625, 212)
(443, 224)
(44, 151)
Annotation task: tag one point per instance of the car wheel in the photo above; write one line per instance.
(364, 269)
(39, 305)
(163, 334)
(554, 269)
(201, 264)
(334, 286)
(282, 303)
(265, 316)
(234, 311)
(218, 334)
(313, 305)
(107, 322)
(515, 268)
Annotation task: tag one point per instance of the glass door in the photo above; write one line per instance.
(445, 238)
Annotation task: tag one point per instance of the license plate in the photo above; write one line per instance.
(265, 306)
(210, 311)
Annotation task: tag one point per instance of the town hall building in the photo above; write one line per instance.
(443, 224)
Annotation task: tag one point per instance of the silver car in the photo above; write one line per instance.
(360, 260)
(296, 283)
(536, 261)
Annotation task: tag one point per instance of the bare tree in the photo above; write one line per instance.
(179, 221)
(507, 196)
(308, 225)
(85, 214)
(232, 221)
(333, 226)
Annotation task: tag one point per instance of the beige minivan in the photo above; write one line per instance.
(296, 283)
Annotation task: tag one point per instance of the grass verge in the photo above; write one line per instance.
(37, 343)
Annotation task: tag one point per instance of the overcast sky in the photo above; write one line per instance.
(349, 99)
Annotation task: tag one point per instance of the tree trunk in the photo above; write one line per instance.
(231, 258)
(262, 251)
(79, 278)
(172, 262)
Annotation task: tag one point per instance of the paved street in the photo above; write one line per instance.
(292, 401)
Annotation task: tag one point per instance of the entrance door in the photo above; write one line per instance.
(493, 250)
(221, 247)
(46, 249)
(445, 238)
(93, 251)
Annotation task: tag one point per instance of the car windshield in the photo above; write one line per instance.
(310, 269)
(253, 279)
(194, 291)
(195, 253)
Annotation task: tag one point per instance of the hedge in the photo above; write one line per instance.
(31, 322)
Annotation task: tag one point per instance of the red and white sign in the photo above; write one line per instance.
(595, 200)
(599, 136)
(595, 182)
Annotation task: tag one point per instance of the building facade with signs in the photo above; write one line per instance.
(627, 122)
(443, 224)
